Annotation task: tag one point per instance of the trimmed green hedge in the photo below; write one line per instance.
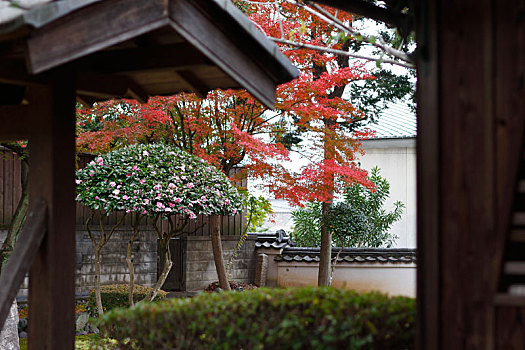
(116, 295)
(302, 318)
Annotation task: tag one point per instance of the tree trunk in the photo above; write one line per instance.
(217, 252)
(325, 255)
(98, 296)
(166, 268)
(129, 259)
(18, 219)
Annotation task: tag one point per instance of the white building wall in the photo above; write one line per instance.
(396, 159)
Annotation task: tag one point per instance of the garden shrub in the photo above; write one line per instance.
(116, 295)
(296, 318)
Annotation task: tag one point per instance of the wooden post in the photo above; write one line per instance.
(52, 171)
(469, 76)
(428, 225)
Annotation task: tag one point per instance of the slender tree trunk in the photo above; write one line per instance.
(98, 296)
(325, 255)
(19, 216)
(166, 268)
(217, 252)
(97, 247)
(129, 258)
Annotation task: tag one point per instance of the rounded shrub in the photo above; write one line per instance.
(302, 318)
(116, 295)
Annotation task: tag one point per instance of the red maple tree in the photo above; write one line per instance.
(225, 128)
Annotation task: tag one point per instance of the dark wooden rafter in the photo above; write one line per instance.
(238, 49)
(392, 14)
(144, 58)
(195, 85)
(106, 86)
(23, 254)
(365, 9)
(98, 85)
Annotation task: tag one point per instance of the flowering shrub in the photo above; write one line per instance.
(156, 180)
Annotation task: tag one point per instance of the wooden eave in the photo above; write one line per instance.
(135, 49)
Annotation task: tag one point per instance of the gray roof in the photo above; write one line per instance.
(397, 121)
(276, 240)
(351, 255)
(35, 13)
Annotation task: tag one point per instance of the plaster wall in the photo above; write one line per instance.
(393, 279)
(396, 159)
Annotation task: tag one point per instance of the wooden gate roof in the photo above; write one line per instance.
(136, 48)
(54, 51)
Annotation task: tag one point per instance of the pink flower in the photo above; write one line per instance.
(78, 181)
(157, 187)
(193, 216)
(160, 205)
(190, 185)
(124, 197)
(134, 167)
(171, 185)
(142, 181)
(145, 153)
(171, 204)
(112, 184)
(115, 192)
(146, 201)
(177, 200)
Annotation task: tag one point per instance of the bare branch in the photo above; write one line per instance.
(377, 42)
(340, 52)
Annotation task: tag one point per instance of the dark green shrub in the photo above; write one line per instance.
(116, 295)
(358, 220)
(302, 318)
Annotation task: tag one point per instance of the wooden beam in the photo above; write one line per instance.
(366, 9)
(194, 84)
(16, 122)
(205, 30)
(51, 176)
(22, 256)
(176, 56)
(91, 29)
(104, 86)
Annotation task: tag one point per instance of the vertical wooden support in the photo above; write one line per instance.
(52, 171)
(428, 224)
(458, 212)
